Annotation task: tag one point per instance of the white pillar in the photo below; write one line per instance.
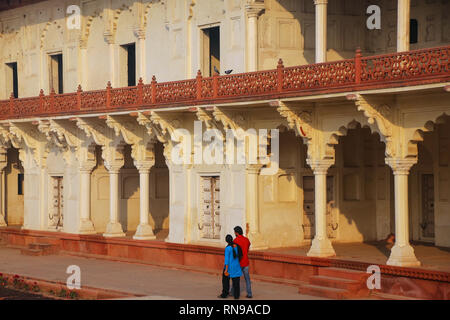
(144, 230)
(321, 30)
(141, 54)
(255, 236)
(85, 225)
(2, 197)
(402, 254)
(253, 11)
(403, 20)
(83, 67)
(114, 228)
(321, 245)
(109, 38)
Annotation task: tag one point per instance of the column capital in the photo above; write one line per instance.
(86, 166)
(317, 2)
(253, 168)
(144, 166)
(401, 166)
(254, 9)
(139, 32)
(320, 166)
(109, 36)
(113, 168)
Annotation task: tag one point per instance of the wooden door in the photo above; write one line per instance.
(56, 212)
(210, 208)
(427, 221)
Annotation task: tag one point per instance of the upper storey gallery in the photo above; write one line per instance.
(58, 44)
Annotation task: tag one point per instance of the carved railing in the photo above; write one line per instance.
(383, 71)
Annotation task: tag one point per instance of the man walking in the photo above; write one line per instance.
(244, 243)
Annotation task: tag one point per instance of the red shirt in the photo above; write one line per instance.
(244, 243)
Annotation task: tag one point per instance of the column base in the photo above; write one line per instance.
(257, 241)
(114, 230)
(403, 256)
(86, 227)
(321, 248)
(144, 232)
(2, 222)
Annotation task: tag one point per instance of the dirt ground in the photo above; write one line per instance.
(11, 294)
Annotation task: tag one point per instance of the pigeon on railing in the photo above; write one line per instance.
(226, 71)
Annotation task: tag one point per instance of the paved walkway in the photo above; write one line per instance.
(432, 258)
(150, 281)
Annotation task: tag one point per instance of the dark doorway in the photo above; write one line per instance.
(130, 57)
(13, 80)
(56, 73)
(211, 51)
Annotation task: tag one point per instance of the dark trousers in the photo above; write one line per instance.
(226, 286)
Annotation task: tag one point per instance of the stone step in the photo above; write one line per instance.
(31, 252)
(344, 274)
(46, 248)
(337, 283)
(325, 292)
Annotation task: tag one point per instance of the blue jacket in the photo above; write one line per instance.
(234, 267)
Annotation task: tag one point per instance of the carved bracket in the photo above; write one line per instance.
(381, 114)
(229, 119)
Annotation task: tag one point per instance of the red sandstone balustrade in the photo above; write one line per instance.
(396, 69)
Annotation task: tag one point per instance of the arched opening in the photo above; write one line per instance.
(429, 186)
(364, 197)
(159, 194)
(283, 217)
(14, 189)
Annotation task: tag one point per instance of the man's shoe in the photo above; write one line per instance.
(249, 296)
(221, 296)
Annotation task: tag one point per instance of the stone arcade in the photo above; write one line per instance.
(364, 139)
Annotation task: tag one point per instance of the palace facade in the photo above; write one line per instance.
(89, 103)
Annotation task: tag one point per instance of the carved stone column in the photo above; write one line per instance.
(85, 225)
(114, 228)
(255, 236)
(83, 64)
(2, 194)
(144, 230)
(321, 30)
(141, 53)
(252, 10)
(403, 16)
(321, 245)
(109, 38)
(402, 254)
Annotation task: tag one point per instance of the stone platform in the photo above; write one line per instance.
(270, 265)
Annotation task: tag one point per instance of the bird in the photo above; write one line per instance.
(216, 70)
(228, 71)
